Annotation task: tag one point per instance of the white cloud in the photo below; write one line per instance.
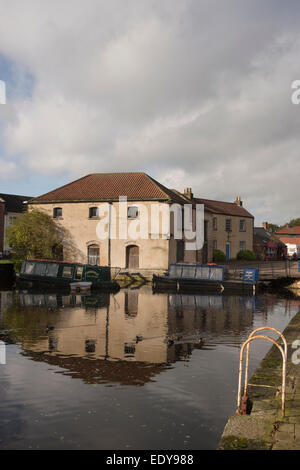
(195, 93)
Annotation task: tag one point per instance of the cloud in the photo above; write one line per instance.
(196, 93)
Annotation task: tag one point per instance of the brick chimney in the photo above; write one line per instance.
(238, 201)
(188, 193)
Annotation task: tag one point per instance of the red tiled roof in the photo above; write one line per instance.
(226, 208)
(291, 241)
(136, 186)
(108, 187)
(288, 231)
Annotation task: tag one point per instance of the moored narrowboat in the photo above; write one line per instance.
(61, 274)
(206, 278)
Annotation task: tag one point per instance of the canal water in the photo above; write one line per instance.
(128, 371)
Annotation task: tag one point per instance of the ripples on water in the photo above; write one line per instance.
(126, 371)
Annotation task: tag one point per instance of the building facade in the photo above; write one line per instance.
(267, 246)
(290, 236)
(136, 236)
(229, 227)
(11, 207)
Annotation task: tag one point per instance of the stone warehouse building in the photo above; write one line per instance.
(80, 206)
(11, 207)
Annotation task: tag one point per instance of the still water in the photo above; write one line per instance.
(127, 371)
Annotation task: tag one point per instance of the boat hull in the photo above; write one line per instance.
(33, 283)
(167, 284)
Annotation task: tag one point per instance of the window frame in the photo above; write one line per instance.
(242, 225)
(244, 245)
(97, 212)
(228, 229)
(132, 216)
(55, 215)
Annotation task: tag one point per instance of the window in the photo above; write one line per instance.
(67, 271)
(40, 269)
(242, 225)
(132, 212)
(57, 212)
(129, 349)
(90, 346)
(93, 212)
(228, 225)
(214, 244)
(11, 219)
(214, 221)
(79, 272)
(53, 344)
(93, 255)
(52, 269)
(242, 246)
(28, 268)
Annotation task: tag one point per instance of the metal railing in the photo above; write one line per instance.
(267, 269)
(251, 338)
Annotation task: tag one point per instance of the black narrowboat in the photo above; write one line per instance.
(60, 274)
(206, 278)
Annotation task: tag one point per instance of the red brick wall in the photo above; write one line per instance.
(2, 210)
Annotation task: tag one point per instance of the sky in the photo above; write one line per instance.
(195, 93)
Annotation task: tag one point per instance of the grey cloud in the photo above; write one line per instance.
(194, 92)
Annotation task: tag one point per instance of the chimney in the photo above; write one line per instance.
(188, 193)
(265, 225)
(238, 201)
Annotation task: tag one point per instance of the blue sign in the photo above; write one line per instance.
(298, 266)
(251, 275)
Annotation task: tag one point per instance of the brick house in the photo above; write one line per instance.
(11, 207)
(266, 245)
(290, 236)
(78, 206)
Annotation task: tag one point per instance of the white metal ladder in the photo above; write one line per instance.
(253, 337)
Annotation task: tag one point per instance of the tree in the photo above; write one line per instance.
(273, 227)
(294, 222)
(34, 235)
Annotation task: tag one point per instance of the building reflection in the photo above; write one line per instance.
(101, 338)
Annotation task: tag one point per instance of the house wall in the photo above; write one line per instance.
(114, 328)
(235, 236)
(81, 231)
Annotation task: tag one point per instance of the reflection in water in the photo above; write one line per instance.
(84, 333)
(180, 350)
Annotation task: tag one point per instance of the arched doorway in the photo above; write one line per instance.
(132, 256)
(94, 255)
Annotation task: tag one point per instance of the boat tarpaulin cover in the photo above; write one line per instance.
(196, 271)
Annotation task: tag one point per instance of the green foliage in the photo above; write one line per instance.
(219, 255)
(33, 235)
(294, 222)
(273, 227)
(247, 255)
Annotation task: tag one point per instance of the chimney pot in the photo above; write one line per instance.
(188, 193)
(238, 201)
